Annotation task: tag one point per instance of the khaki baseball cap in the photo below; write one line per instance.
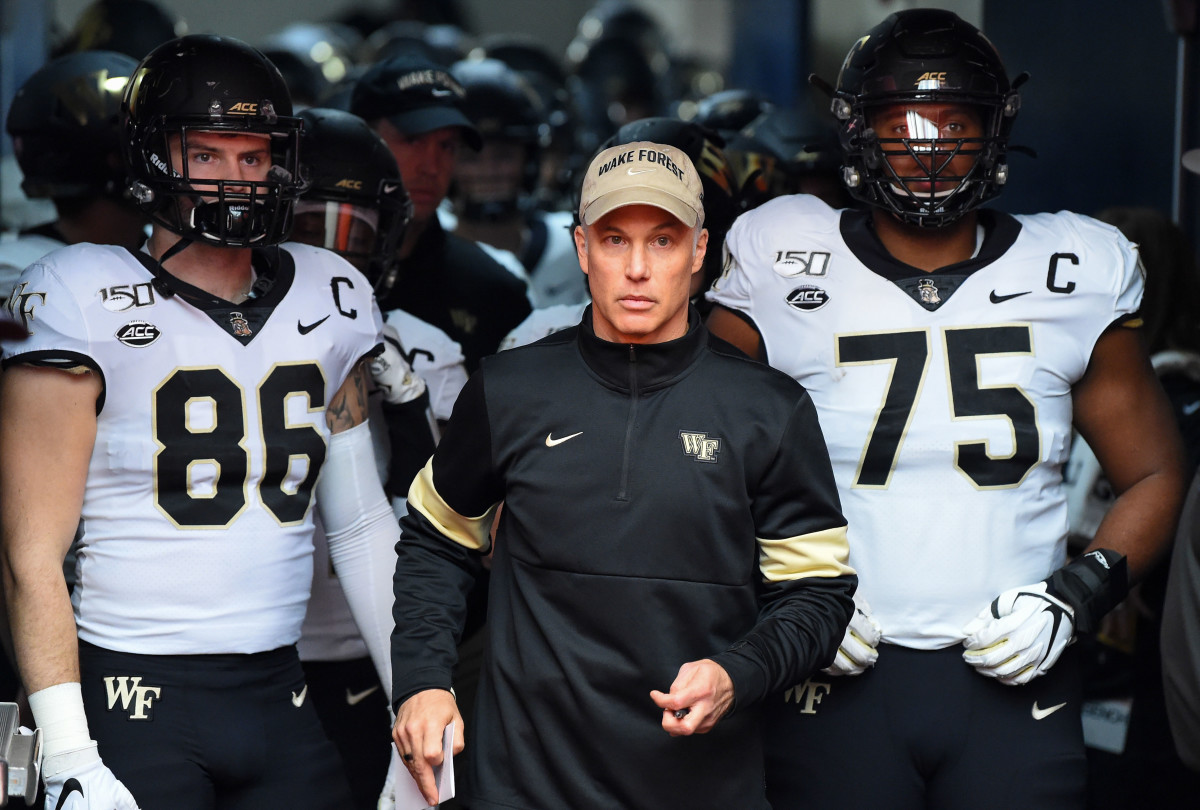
(642, 173)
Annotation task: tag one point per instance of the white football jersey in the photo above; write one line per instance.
(197, 516)
(945, 398)
(556, 278)
(329, 632)
(542, 322)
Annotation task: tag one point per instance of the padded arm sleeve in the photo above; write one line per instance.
(362, 533)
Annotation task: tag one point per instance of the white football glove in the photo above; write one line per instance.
(1020, 635)
(859, 648)
(78, 780)
(392, 374)
(387, 797)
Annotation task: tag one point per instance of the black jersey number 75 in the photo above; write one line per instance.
(908, 353)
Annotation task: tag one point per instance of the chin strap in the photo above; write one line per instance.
(160, 282)
(175, 249)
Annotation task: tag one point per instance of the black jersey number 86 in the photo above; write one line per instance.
(222, 443)
(908, 353)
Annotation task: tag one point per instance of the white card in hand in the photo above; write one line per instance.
(408, 797)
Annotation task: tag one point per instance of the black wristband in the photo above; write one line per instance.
(1092, 585)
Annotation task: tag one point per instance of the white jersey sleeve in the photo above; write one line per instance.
(542, 322)
(197, 514)
(434, 356)
(945, 398)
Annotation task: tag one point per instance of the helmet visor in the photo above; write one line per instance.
(930, 149)
(347, 229)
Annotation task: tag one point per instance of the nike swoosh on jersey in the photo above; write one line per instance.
(1040, 714)
(999, 299)
(1191, 408)
(552, 442)
(354, 698)
(298, 700)
(305, 329)
(70, 786)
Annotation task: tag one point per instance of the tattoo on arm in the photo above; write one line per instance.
(349, 405)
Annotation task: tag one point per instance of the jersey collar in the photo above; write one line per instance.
(644, 366)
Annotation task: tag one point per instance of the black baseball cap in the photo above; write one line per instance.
(415, 95)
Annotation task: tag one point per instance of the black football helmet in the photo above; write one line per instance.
(705, 147)
(355, 203)
(919, 56)
(131, 27)
(504, 107)
(65, 125)
(205, 83)
(730, 110)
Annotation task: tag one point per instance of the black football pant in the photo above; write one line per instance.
(211, 732)
(352, 706)
(922, 730)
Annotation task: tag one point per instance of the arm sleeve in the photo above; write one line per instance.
(362, 534)
(807, 583)
(1180, 639)
(451, 504)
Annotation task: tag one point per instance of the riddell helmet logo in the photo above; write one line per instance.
(244, 108)
(348, 183)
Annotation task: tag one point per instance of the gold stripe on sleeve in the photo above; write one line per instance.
(818, 554)
(471, 532)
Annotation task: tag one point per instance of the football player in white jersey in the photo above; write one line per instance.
(949, 350)
(189, 402)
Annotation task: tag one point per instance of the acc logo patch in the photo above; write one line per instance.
(137, 334)
(807, 298)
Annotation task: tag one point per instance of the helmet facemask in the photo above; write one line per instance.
(929, 163)
(229, 213)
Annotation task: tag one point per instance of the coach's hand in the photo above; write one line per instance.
(78, 780)
(392, 374)
(1020, 635)
(420, 724)
(700, 696)
(859, 648)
